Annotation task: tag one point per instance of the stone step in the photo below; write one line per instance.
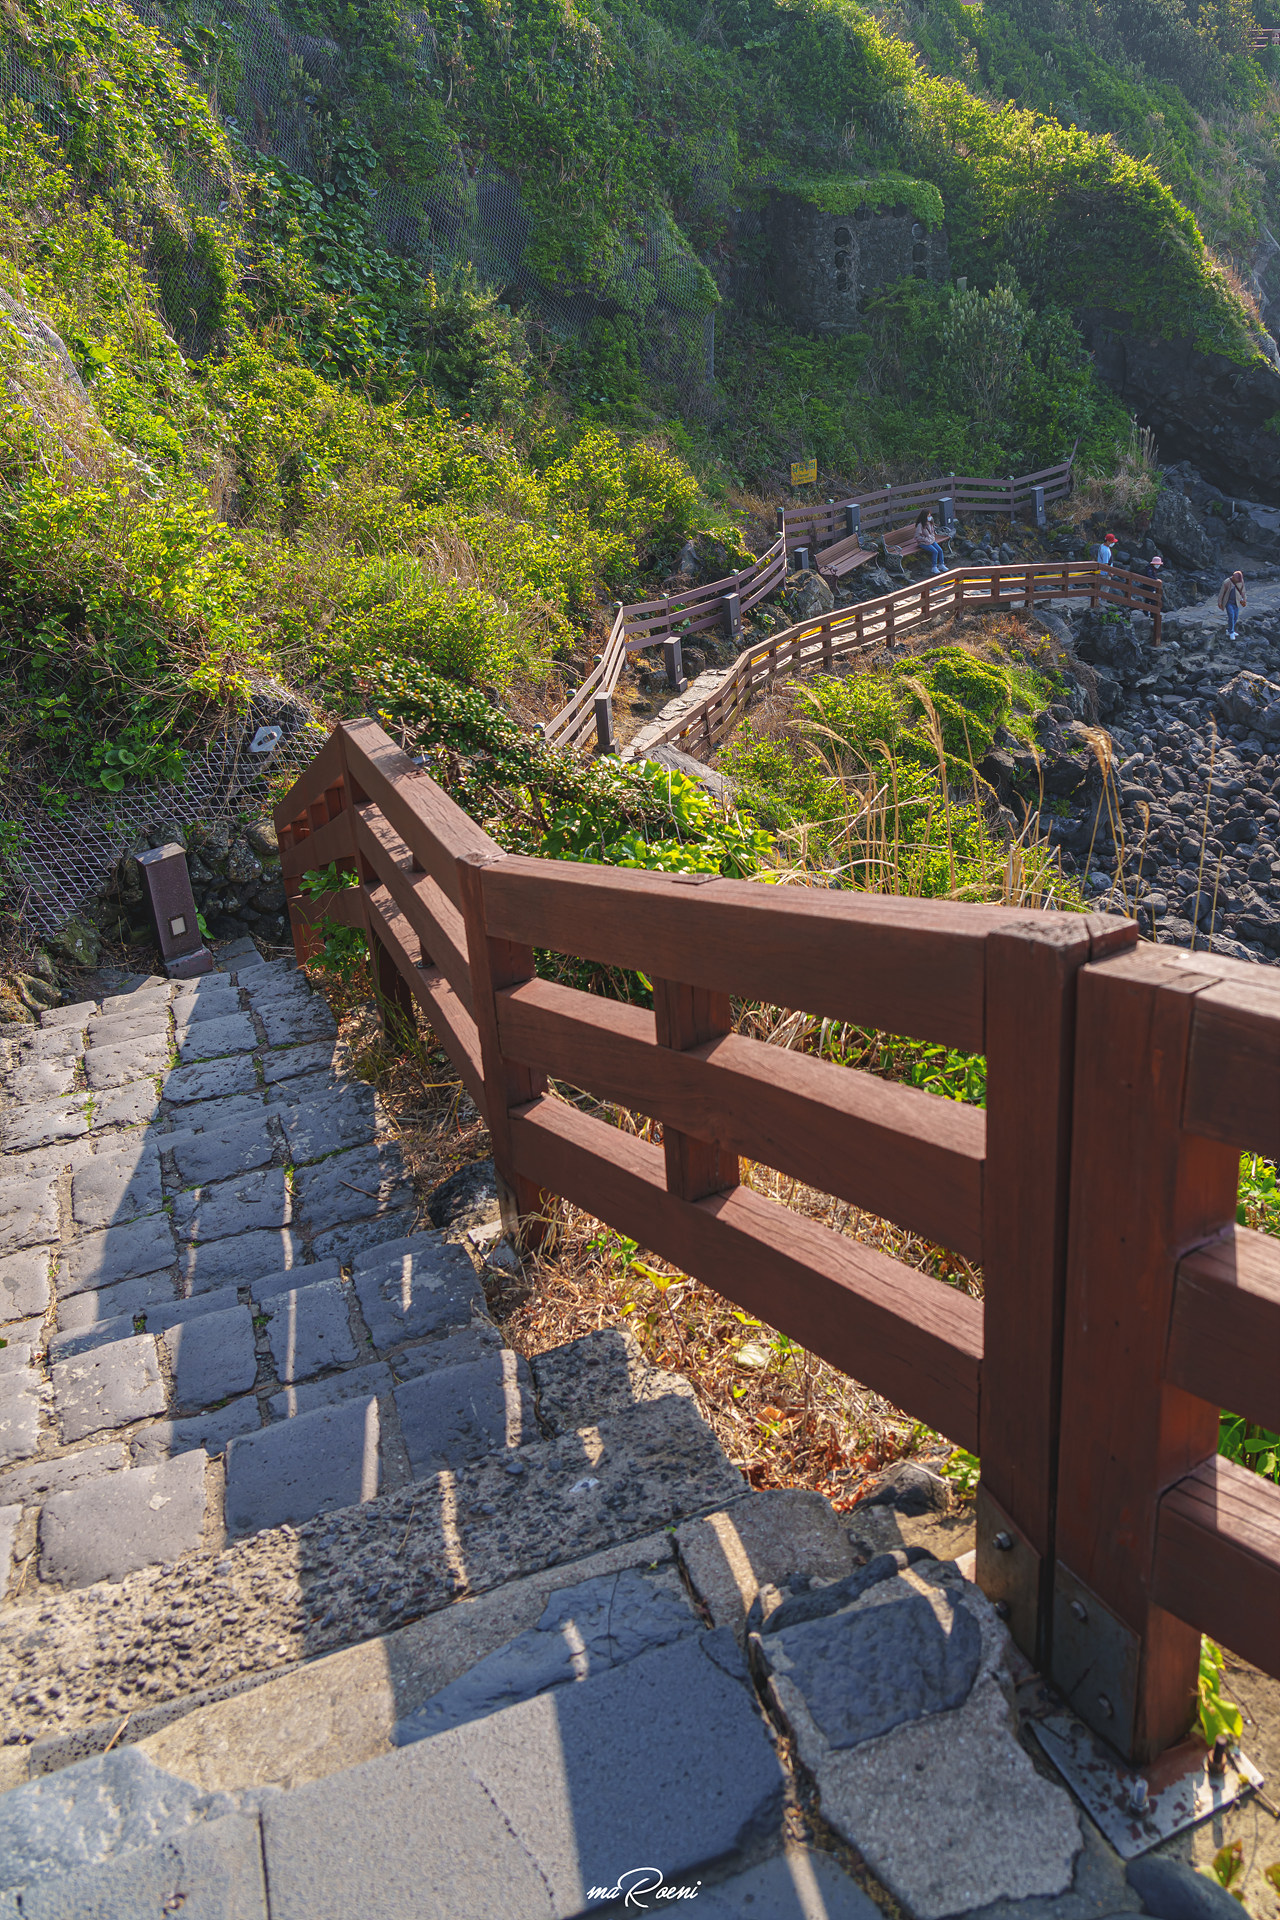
(217, 1614)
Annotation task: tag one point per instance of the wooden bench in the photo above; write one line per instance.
(846, 556)
(905, 540)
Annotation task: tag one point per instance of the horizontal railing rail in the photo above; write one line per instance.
(586, 715)
(1122, 1304)
(870, 625)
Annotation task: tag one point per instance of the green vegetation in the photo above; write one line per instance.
(866, 778)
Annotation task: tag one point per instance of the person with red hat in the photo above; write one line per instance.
(1103, 555)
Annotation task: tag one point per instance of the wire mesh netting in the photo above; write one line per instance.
(69, 843)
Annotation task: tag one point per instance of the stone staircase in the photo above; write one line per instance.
(320, 1604)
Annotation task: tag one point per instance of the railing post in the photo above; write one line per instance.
(1143, 1193)
(603, 705)
(673, 660)
(1037, 500)
(686, 1017)
(853, 520)
(495, 964)
(391, 990)
(733, 617)
(1031, 975)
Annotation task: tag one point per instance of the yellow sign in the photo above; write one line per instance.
(804, 473)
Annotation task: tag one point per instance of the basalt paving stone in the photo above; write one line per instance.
(115, 1029)
(9, 1518)
(45, 1043)
(110, 1527)
(42, 1079)
(211, 1080)
(212, 1871)
(355, 1383)
(416, 1287)
(106, 1067)
(218, 1153)
(211, 1357)
(108, 1387)
(172, 1312)
(343, 1117)
(251, 1201)
(239, 1260)
(453, 1350)
(295, 1061)
(218, 1116)
(456, 1415)
(134, 1105)
(64, 1346)
(43, 1122)
(262, 1604)
(344, 1243)
(309, 1330)
(28, 1214)
(42, 1162)
(210, 1430)
(205, 1003)
(16, 1353)
(24, 1283)
(296, 1469)
(75, 1017)
(565, 1802)
(586, 1628)
(21, 1398)
(80, 1310)
(114, 1188)
(269, 1284)
(31, 1484)
(153, 991)
(351, 1186)
(117, 1253)
(286, 1021)
(23, 1332)
(209, 1039)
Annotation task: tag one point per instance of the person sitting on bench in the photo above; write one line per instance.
(927, 540)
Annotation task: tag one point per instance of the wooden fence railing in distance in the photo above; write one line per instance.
(816, 645)
(454, 925)
(821, 525)
(1172, 1313)
(723, 602)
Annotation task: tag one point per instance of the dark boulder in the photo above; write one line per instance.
(1202, 406)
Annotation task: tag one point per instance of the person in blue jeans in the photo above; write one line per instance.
(1232, 596)
(927, 541)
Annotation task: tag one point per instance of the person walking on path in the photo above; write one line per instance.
(1103, 555)
(928, 542)
(1232, 596)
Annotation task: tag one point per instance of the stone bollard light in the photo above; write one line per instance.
(173, 909)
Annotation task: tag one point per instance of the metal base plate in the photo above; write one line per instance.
(1180, 1791)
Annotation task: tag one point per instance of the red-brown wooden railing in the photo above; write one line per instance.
(1097, 1189)
(723, 602)
(816, 645)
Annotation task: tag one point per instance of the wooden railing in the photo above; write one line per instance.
(1264, 37)
(1097, 1189)
(817, 645)
(585, 718)
(820, 526)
